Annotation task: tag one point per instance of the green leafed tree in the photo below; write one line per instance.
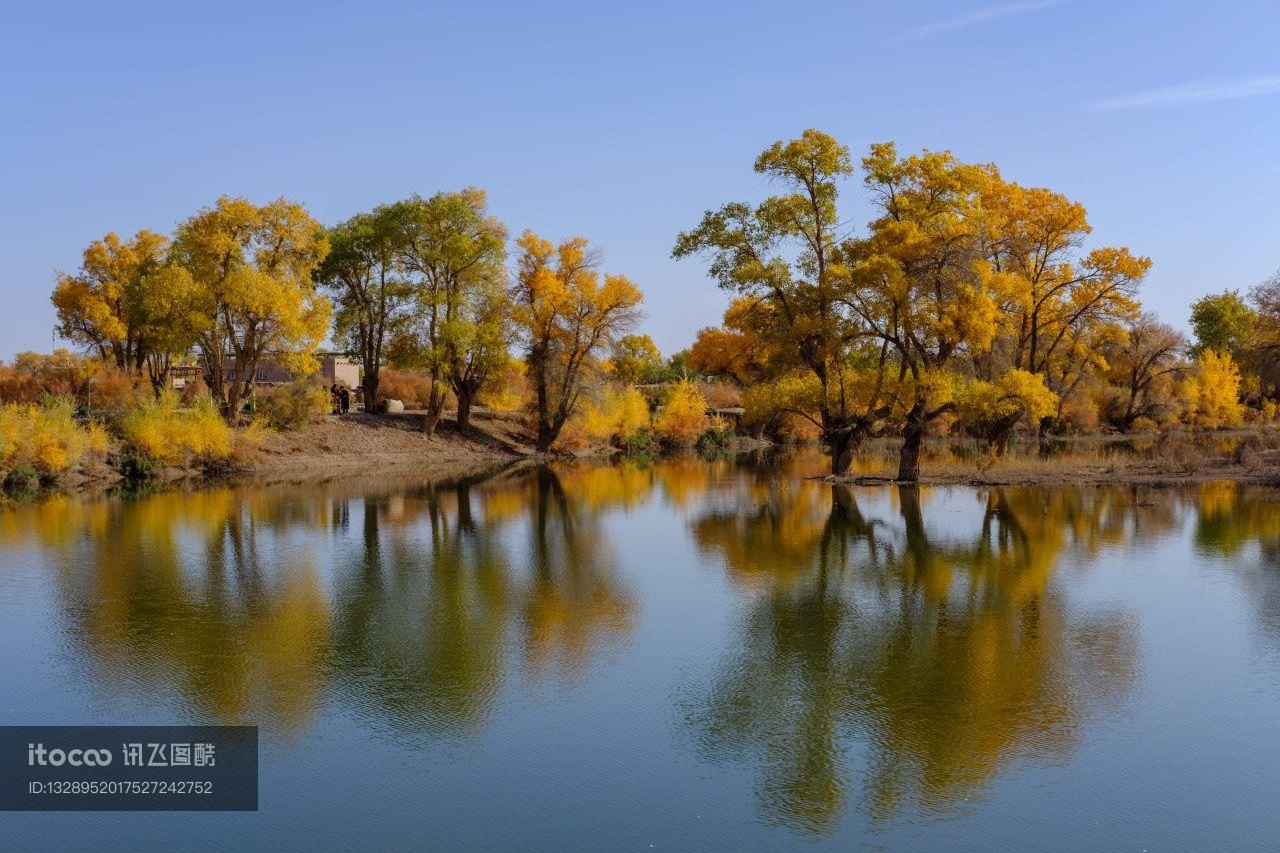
(365, 273)
(1221, 322)
(453, 252)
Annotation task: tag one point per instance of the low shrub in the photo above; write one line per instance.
(1144, 425)
(716, 438)
(42, 441)
(642, 442)
(113, 393)
(719, 394)
(17, 386)
(161, 431)
(615, 415)
(412, 389)
(1079, 416)
(294, 405)
(95, 388)
(61, 373)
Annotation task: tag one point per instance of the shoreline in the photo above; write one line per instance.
(1151, 479)
(392, 447)
(1158, 460)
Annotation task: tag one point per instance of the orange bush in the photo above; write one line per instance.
(112, 393)
(412, 389)
(1080, 414)
(61, 373)
(17, 386)
(720, 395)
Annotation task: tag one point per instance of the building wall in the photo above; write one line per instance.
(341, 369)
(333, 368)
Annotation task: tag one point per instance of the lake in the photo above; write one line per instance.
(684, 655)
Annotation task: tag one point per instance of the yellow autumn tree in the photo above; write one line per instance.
(742, 348)
(684, 417)
(920, 281)
(251, 267)
(1212, 392)
(129, 305)
(453, 251)
(992, 410)
(783, 259)
(569, 314)
(635, 359)
(1054, 293)
(99, 306)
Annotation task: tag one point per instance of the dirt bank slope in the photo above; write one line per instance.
(384, 444)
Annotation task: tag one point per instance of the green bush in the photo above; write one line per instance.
(642, 442)
(715, 439)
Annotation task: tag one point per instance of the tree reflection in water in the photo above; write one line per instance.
(889, 654)
(1241, 526)
(218, 594)
(196, 592)
(434, 610)
(420, 630)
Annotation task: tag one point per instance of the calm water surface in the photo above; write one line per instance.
(690, 655)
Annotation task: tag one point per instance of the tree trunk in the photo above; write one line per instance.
(912, 441)
(464, 410)
(1001, 433)
(435, 406)
(844, 444)
(549, 431)
(431, 418)
(231, 405)
(370, 385)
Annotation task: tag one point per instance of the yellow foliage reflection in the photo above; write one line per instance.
(943, 648)
(413, 602)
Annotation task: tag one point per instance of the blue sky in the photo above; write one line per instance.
(623, 122)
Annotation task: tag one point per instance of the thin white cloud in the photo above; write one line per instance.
(981, 16)
(1194, 93)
